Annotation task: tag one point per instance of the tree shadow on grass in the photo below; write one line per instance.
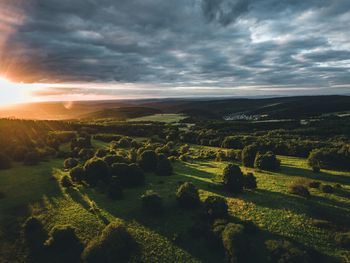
(324, 176)
(315, 206)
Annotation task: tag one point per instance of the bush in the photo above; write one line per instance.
(5, 162)
(233, 178)
(115, 191)
(96, 170)
(283, 251)
(66, 181)
(64, 245)
(148, 161)
(248, 155)
(152, 203)
(115, 244)
(70, 163)
(234, 242)
(343, 239)
(216, 231)
(326, 188)
(128, 175)
(267, 161)
(100, 153)
(164, 167)
(299, 189)
(34, 235)
(314, 184)
(86, 154)
(111, 159)
(124, 143)
(249, 181)
(187, 195)
(216, 207)
(77, 174)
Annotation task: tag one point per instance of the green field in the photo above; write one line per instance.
(35, 190)
(167, 118)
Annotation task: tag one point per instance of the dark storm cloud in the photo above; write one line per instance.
(214, 44)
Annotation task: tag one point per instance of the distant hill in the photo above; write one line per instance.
(121, 114)
(209, 108)
(285, 107)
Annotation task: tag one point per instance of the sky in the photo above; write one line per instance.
(105, 49)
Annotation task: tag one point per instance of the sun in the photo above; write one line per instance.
(12, 93)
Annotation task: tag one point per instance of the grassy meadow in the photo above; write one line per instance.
(34, 190)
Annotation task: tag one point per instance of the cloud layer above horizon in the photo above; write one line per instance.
(178, 48)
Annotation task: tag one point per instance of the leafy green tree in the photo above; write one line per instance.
(232, 178)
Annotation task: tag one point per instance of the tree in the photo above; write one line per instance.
(96, 170)
(64, 245)
(234, 242)
(232, 178)
(250, 181)
(267, 161)
(148, 161)
(77, 174)
(187, 195)
(248, 155)
(70, 163)
(164, 167)
(152, 203)
(115, 244)
(216, 207)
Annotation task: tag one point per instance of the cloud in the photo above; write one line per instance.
(160, 46)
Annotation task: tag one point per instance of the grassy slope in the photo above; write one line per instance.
(271, 207)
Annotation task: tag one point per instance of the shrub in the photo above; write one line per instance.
(216, 207)
(152, 203)
(187, 195)
(115, 244)
(343, 239)
(148, 161)
(70, 163)
(216, 231)
(249, 181)
(124, 143)
(283, 251)
(326, 188)
(164, 167)
(299, 189)
(115, 191)
(267, 161)
(234, 242)
(77, 174)
(248, 155)
(314, 184)
(64, 245)
(96, 170)
(233, 178)
(34, 235)
(66, 181)
(111, 159)
(5, 162)
(128, 175)
(86, 154)
(100, 153)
